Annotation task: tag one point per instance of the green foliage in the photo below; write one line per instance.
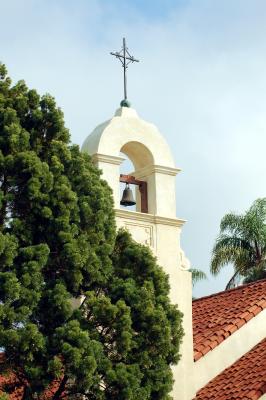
(242, 242)
(255, 275)
(58, 242)
(147, 338)
(197, 275)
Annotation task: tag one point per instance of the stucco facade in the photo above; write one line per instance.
(160, 229)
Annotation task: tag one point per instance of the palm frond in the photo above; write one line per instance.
(258, 208)
(197, 275)
(229, 250)
(231, 222)
(234, 281)
(255, 275)
(234, 242)
(255, 222)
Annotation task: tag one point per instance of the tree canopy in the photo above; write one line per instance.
(58, 242)
(242, 242)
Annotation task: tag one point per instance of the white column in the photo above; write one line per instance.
(110, 167)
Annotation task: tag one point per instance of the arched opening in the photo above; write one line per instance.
(127, 168)
(139, 154)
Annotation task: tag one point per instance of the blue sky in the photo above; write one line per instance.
(201, 80)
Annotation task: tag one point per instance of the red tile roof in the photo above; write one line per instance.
(218, 316)
(244, 380)
(17, 387)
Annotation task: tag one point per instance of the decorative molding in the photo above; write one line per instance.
(151, 169)
(107, 159)
(184, 261)
(151, 218)
(142, 233)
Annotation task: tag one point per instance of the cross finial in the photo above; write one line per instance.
(125, 58)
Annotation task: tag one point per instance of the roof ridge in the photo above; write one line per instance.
(230, 290)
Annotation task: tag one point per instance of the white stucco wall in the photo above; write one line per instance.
(160, 228)
(125, 127)
(162, 235)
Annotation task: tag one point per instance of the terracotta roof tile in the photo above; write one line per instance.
(218, 316)
(245, 379)
(17, 387)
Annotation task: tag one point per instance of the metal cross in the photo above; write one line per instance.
(125, 58)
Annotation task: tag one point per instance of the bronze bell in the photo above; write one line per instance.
(127, 198)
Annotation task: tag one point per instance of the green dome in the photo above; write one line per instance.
(125, 103)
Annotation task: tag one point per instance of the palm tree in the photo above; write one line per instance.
(242, 242)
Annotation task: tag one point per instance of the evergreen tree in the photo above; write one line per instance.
(140, 345)
(57, 242)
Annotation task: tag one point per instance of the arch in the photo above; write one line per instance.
(127, 130)
(153, 163)
(138, 153)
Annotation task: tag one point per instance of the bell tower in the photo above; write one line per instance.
(154, 223)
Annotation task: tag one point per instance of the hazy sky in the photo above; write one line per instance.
(201, 80)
